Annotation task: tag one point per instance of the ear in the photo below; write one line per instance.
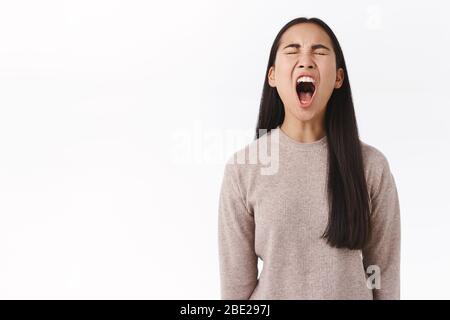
(271, 76)
(339, 78)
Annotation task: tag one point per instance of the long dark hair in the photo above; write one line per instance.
(349, 216)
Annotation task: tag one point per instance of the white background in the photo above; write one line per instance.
(97, 198)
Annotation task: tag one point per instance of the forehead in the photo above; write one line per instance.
(305, 34)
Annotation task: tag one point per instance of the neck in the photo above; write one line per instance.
(304, 132)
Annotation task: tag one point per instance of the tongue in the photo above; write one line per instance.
(305, 97)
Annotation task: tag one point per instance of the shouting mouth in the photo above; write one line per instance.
(306, 89)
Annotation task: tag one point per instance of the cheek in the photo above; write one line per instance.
(283, 75)
(282, 66)
(328, 76)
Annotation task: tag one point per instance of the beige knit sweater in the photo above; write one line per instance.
(275, 208)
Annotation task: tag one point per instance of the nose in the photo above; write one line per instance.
(309, 66)
(305, 62)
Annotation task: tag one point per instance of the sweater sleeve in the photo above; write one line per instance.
(236, 234)
(383, 249)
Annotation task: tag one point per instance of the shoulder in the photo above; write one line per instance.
(373, 157)
(245, 164)
(251, 155)
(376, 166)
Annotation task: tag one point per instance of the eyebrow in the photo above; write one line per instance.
(313, 47)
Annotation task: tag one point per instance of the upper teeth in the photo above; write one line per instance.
(305, 79)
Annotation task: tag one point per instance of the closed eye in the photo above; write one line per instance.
(319, 53)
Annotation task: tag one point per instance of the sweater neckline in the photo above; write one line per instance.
(318, 144)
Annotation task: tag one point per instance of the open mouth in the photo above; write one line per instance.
(305, 90)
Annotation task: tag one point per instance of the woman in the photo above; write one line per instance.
(325, 220)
